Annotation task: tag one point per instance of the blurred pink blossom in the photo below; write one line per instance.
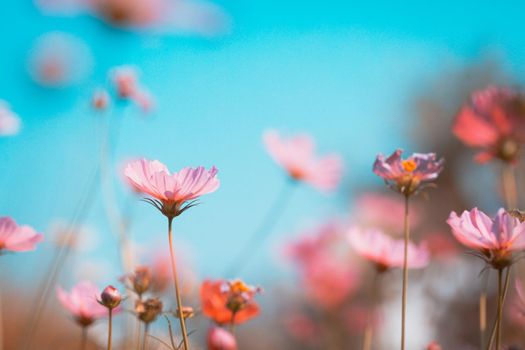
(82, 303)
(302, 327)
(221, 339)
(433, 346)
(384, 251)
(441, 245)
(127, 86)
(407, 175)
(495, 239)
(493, 121)
(59, 60)
(9, 121)
(17, 238)
(296, 155)
(170, 192)
(383, 211)
(100, 100)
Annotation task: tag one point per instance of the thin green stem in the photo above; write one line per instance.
(405, 275)
(177, 291)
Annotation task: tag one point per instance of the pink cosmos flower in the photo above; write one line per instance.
(100, 100)
(82, 303)
(296, 155)
(221, 339)
(9, 121)
(496, 239)
(384, 211)
(16, 238)
(59, 60)
(407, 175)
(386, 252)
(493, 121)
(170, 193)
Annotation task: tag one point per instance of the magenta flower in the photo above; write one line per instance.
(9, 121)
(16, 238)
(386, 252)
(82, 303)
(493, 121)
(495, 239)
(296, 156)
(407, 175)
(173, 193)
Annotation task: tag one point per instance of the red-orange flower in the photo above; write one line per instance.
(228, 302)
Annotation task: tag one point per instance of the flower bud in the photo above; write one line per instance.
(148, 311)
(100, 100)
(221, 339)
(110, 297)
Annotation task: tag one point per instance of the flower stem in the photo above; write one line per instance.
(83, 339)
(110, 327)
(494, 327)
(500, 309)
(145, 338)
(508, 179)
(255, 241)
(483, 309)
(405, 275)
(177, 292)
(369, 330)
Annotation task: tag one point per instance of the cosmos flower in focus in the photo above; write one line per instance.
(59, 60)
(494, 239)
(296, 155)
(220, 339)
(494, 122)
(172, 194)
(408, 175)
(15, 238)
(9, 121)
(82, 303)
(228, 302)
(384, 251)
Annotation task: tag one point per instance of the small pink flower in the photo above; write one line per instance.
(170, 192)
(82, 303)
(496, 239)
(16, 238)
(100, 100)
(494, 121)
(221, 339)
(386, 252)
(407, 175)
(9, 121)
(296, 155)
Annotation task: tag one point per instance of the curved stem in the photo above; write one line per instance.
(405, 276)
(110, 328)
(508, 179)
(255, 241)
(500, 310)
(177, 292)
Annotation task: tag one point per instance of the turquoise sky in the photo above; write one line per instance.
(346, 72)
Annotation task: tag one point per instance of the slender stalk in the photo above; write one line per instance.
(145, 338)
(232, 324)
(369, 330)
(1, 323)
(510, 192)
(177, 292)
(483, 309)
(500, 310)
(110, 327)
(83, 338)
(405, 275)
(505, 290)
(255, 241)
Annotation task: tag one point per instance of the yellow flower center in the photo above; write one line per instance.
(239, 287)
(409, 165)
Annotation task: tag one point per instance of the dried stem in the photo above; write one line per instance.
(177, 291)
(405, 275)
(500, 310)
(110, 327)
(483, 309)
(505, 290)
(145, 338)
